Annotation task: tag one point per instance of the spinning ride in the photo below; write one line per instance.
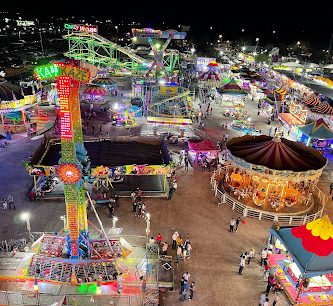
(273, 173)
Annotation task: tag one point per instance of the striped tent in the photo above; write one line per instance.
(311, 100)
(105, 81)
(210, 75)
(323, 108)
(276, 153)
(232, 88)
(281, 91)
(95, 90)
(317, 130)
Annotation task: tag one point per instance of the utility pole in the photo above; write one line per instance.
(329, 48)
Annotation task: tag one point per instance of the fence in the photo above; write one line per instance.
(247, 211)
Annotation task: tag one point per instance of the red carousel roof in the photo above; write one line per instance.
(213, 64)
(205, 145)
(323, 108)
(276, 153)
(95, 90)
(311, 100)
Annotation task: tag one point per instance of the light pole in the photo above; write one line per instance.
(147, 224)
(114, 221)
(116, 27)
(257, 41)
(63, 218)
(26, 216)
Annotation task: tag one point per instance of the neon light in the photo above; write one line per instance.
(81, 27)
(63, 87)
(45, 72)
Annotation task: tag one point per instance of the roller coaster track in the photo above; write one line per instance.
(98, 50)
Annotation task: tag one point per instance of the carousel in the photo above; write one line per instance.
(273, 174)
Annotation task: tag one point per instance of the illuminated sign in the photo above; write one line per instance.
(147, 32)
(52, 71)
(63, 87)
(45, 72)
(25, 23)
(81, 27)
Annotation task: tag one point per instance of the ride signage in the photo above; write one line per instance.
(51, 71)
(81, 28)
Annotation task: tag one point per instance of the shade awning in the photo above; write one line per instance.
(310, 245)
(205, 145)
(317, 130)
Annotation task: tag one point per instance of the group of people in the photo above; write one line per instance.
(185, 287)
(8, 203)
(183, 248)
(139, 209)
(183, 158)
(245, 257)
(234, 224)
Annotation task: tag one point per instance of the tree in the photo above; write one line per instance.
(264, 57)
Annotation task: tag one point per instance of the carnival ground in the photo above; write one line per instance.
(193, 212)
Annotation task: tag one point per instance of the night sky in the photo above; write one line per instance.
(291, 21)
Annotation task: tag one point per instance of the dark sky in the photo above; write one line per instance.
(291, 21)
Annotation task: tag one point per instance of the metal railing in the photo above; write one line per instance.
(281, 219)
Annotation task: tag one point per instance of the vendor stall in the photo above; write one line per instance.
(297, 116)
(276, 174)
(316, 134)
(303, 261)
(203, 152)
(233, 98)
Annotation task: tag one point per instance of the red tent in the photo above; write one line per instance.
(205, 147)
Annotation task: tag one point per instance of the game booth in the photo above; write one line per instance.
(233, 97)
(296, 117)
(245, 126)
(316, 134)
(94, 93)
(303, 261)
(273, 174)
(200, 151)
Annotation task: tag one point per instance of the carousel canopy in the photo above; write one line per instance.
(205, 145)
(213, 64)
(95, 90)
(311, 100)
(310, 245)
(276, 153)
(9, 91)
(231, 88)
(317, 130)
(104, 82)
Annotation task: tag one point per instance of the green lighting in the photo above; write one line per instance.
(158, 46)
(45, 72)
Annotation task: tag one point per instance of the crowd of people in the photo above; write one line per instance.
(8, 203)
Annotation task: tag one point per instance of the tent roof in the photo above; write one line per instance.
(210, 75)
(232, 87)
(9, 91)
(323, 108)
(310, 245)
(205, 145)
(95, 90)
(317, 130)
(311, 100)
(276, 153)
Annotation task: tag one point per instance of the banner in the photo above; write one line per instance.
(39, 170)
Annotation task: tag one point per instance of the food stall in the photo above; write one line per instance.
(316, 134)
(303, 260)
(200, 151)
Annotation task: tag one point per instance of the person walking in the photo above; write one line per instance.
(10, 201)
(270, 131)
(237, 223)
(241, 265)
(276, 298)
(184, 294)
(134, 206)
(266, 270)
(186, 164)
(331, 188)
(263, 298)
(270, 283)
(179, 253)
(232, 224)
(188, 250)
(93, 129)
(158, 238)
(250, 256)
(165, 248)
(4, 204)
(171, 191)
(119, 282)
(111, 210)
(187, 276)
(192, 289)
(182, 284)
(179, 241)
(174, 240)
(263, 256)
